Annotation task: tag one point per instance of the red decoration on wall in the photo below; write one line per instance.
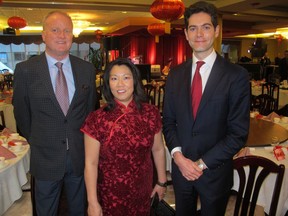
(167, 10)
(156, 29)
(98, 34)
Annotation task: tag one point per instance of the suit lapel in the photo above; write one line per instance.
(76, 70)
(45, 76)
(187, 84)
(216, 74)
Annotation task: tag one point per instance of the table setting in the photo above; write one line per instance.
(273, 144)
(14, 166)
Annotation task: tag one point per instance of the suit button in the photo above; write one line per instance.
(65, 121)
(63, 141)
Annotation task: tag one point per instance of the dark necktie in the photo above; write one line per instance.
(196, 90)
(61, 89)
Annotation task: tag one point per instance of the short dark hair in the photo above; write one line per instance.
(139, 95)
(201, 6)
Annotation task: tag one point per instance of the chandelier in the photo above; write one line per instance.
(79, 26)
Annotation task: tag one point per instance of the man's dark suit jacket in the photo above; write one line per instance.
(221, 126)
(283, 68)
(41, 121)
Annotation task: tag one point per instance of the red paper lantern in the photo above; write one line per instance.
(156, 29)
(16, 22)
(98, 34)
(167, 10)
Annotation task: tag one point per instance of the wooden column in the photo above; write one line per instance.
(218, 41)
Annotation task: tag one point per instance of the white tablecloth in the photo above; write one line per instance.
(9, 116)
(13, 177)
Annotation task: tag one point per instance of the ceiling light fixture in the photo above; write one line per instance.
(79, 26)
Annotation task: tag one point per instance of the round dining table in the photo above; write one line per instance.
(262, 131)
(12, 177)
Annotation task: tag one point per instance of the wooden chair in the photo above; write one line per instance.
(150, 91)
(3, 124)
(8, 80)
(160, 99)
(264, 103)
(258, 169)
(271, 89)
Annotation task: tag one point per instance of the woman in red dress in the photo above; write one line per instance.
(119, 139)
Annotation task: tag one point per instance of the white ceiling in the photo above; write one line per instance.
(254, 16)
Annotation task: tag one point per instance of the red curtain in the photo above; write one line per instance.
(173, 46)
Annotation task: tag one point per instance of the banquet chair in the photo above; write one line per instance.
(2, 85)
(160, 99)
(249, 186)
(8, 80)
(264, 103)
(32, 190)
(271, 89)
(150, 91)
(3, 124)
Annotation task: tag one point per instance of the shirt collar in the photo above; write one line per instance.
(209, 60)
(52, 61)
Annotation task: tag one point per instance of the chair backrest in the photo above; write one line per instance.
(160, 99)
(264, 103)
(271, 89)
(258, 169)
(3, 124)
(151, 91)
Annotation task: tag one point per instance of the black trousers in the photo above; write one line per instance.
(47, 193)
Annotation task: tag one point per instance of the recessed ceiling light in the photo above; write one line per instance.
(124, 12)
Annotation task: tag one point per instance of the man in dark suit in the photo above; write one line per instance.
(203, 144)
(283, 66)
(57, 145)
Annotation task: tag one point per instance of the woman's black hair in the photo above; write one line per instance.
(139, 95)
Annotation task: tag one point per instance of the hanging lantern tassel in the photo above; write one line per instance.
(167, 27)
(280, 38)
(98, 34)
(156, 29)
(17, 23)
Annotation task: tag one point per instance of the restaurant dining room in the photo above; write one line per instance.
(150, 33)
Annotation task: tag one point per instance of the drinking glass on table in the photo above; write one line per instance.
(256, 111)
(275, 141)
